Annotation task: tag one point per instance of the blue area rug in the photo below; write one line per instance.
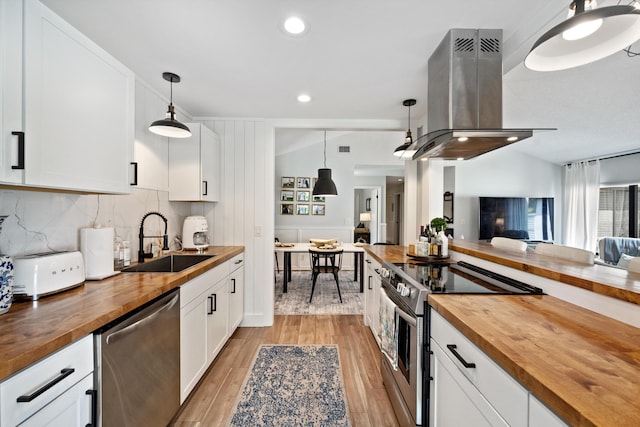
(293, 385)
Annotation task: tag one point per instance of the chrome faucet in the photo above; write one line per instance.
(165, 238)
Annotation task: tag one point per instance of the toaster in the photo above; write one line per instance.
(47, 273)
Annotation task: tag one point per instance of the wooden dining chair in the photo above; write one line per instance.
(325, 261)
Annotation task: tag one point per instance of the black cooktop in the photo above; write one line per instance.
(459, 278)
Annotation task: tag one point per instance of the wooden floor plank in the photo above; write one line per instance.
(213, 400)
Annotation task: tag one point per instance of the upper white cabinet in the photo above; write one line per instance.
(194, 166)
(73, 102)
(150, 151)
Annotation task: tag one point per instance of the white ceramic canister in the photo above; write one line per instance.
(6, 283)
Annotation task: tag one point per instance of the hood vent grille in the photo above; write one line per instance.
(465, 97)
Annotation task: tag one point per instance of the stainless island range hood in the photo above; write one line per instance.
(464, 100)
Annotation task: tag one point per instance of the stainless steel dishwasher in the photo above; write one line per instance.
(138, 365)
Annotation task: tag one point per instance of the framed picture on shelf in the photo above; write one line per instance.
(288, 182)
(318, 199)
(286, 196)
(302, 209)
(303, 196)
(286, 209)
(303, 182)
(317, 209)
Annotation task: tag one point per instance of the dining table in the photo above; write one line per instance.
(290, 248)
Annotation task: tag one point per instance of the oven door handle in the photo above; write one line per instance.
(407, 317)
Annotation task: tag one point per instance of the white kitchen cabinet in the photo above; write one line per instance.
(236, 292)
(57, 390)
(541, 416)
(73, 102)
(372, 295)
(482, 394)
(150, 151)
(195, 166)
(203, 324)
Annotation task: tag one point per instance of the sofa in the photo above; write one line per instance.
(618, 251)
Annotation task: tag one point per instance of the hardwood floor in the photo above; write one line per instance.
(213, 400)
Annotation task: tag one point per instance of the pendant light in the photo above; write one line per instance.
(169, 126)
(589, 34)
(407, 149)
(324, 185)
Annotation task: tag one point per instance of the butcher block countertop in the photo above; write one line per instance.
(584, 366)
(610, 281)
(31, 331)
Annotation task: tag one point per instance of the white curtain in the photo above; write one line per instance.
(582, 182)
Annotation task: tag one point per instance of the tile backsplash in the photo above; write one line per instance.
(39, 221)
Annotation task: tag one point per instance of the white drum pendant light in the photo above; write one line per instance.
(324, 185)
(588, 35)
(407, 149)
(169, 126)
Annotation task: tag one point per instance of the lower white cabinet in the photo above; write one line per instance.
(211, 308)
(200, 325)
(468, 388)
(236, 292)
(372, 296)
(55, 391)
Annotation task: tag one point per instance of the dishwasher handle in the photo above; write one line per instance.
(127, 330)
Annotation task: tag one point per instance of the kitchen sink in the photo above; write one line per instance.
(167, 264)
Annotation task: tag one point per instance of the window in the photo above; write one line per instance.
(617, 210)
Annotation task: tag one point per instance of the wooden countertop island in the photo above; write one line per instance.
(30, 331)
(583, 365)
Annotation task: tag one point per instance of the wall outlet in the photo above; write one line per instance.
(258, 231)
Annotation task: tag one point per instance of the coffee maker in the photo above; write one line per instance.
(194, 233)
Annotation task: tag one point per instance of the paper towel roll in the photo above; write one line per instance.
(96, 245)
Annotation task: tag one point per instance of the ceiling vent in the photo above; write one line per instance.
(344, 149)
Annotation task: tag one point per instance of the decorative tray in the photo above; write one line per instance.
(429, 258)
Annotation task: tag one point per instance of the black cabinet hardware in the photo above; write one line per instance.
(135, 173)
(94, 408)
(205, 188)
(20, 164)
(452, 349)
(234, 286)
(63, 374)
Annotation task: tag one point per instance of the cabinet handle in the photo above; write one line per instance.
(63, 374)
(20, 164)
(215, 302)
(377, 270)
(370, 277)
(452, 349)
(234, 286)
(205, 188)
(135, 173)
(368, 261)
(238, 262)
(210, 310)
(94, 407)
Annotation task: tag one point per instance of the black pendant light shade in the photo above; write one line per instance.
(324, 185)
(587, 36)
(169, 126)
(407, 149)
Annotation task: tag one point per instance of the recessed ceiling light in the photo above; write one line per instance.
(460, 158)
(512, 138)
(463, 139)
(294, 25)
(304, 98)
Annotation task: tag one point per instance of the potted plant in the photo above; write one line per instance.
(438, 224)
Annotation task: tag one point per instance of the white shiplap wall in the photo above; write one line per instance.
(245, 214)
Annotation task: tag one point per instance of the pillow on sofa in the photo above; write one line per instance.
(623, 262)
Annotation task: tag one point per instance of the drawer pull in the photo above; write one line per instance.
(238, 262)
(63, 374)
(452, 349)
(93, 394)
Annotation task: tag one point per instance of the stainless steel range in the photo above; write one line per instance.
(406, 287)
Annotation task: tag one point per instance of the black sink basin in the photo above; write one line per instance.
(167, 264)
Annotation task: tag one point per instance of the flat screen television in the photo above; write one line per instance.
(525, 218)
